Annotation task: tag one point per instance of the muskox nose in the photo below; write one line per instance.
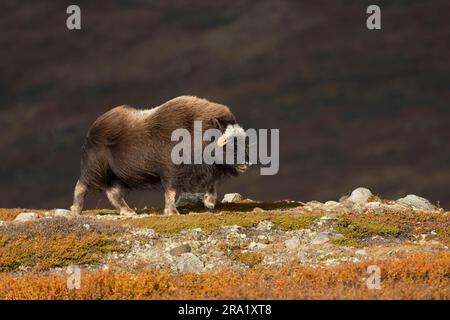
(244, 166)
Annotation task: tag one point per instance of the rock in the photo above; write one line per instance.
(258, 209)
(231, 197)
(2, 223)
(292, 244)
(417, 202)
(190, 263)
(26, 216)
(190, 199)
(337, 235)
(332, 204)
(359, 196)
(314, 204)
(361, 252)
(177, 251)
(320, 238)
(264, 225)
(63, 213)
(375, 207)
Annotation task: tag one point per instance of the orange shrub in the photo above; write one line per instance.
(421, 276)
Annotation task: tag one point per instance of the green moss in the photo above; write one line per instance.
(356, 228)
(211, 221)
(100, 212)
(293, 222)
(346, 242)
(207, 221)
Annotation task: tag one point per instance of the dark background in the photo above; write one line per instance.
(354, 107)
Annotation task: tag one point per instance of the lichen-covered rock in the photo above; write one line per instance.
(417, 202)
(190, 199)
(26, 216)
(292, 244)
(359, 196)
(264, 225)
(320, 238)
(375, 207)
(179, 250)
(231, 197)
(189, 263)
(63, 213)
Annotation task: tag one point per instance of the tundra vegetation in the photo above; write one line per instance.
(241, 250)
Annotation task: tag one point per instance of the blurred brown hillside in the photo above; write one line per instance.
(354, 107)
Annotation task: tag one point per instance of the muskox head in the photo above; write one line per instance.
(236, 147)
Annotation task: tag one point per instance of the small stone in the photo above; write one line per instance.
(337, 235)
(320, 238)
(231, 198)
(359, 196)
(26, 216)
(63, 213)
(252, 245)
(417, 202)
(292, 244)
(189, 263)
(258, 209)
(177, 251)
(264, 225)
(190, 199)
(86, 226)
(361, 252)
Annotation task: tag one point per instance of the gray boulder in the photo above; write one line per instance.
(190, 199)
(63, 213)
(292, 244)
(359, 196)
(320, 238)
(177, 251)
(26, 216)
(190, 263)
(417, 202)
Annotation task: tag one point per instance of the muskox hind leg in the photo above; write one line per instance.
(209, 200)
(115, 193)
(170, 194)
(79, 195)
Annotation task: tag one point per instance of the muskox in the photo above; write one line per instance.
(128, 148)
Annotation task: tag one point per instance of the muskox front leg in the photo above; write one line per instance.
(209, 200)
(170, 196)
(115, 193)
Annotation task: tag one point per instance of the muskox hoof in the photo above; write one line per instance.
(208, 204)
(75, 210)
(127, 212)
(171, 211)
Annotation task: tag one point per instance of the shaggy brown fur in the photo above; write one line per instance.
(127, 148)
